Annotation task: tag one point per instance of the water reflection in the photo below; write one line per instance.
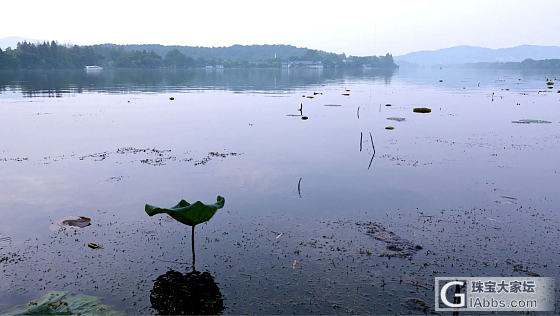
(57, 83)
(193, 293)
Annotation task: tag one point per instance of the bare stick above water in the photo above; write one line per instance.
(361, 136)
(372, 146)
(358, 112)
(299, 187)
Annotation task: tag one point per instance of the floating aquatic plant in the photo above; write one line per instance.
(532, 122)
(63, 303)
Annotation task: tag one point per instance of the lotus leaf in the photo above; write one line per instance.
(189, 214)
(63, 303)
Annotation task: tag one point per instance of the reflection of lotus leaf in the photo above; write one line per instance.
(189, 214)
(62, 303)
(194, 293)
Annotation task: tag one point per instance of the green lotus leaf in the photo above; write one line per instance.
(189, 214)
(63, 303)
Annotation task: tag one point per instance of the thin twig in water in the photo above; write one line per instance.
(358, 112)
(299, 187)
(361, 141)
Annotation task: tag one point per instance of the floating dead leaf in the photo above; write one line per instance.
(94, 246)
(80, 222)
(171, 98)
(388, 104)
(346, 94)
(310, 97)
(304, 118)
(294, 264)
(390, 128)
(422, 110)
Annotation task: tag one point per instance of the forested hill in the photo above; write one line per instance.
(51, 55)
(235, 52)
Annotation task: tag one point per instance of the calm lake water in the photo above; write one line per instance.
(304, 198)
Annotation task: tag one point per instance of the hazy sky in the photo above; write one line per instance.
(353, 27)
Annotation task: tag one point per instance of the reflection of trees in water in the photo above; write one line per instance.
(57, 82)
(193, 293)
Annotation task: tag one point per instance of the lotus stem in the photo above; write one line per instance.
(192, 246)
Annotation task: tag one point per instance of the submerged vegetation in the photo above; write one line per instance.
(51, 55)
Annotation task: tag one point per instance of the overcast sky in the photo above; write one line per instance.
(353, 27)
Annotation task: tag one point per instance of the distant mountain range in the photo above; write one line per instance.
(474, 54)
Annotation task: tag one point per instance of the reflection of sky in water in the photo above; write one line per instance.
(466, 154)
